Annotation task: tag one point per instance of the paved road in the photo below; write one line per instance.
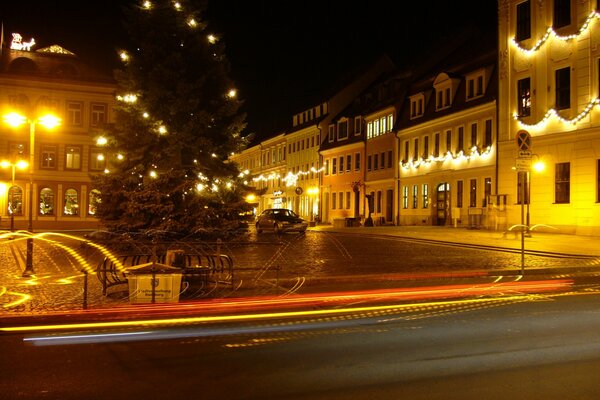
(517, 347)
(266, 264)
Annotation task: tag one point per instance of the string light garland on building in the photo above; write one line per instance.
(448, 156)
(550, 32)
(290, 179)
(554, 113)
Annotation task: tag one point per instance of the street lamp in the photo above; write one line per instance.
(48, 121)
(21, 164)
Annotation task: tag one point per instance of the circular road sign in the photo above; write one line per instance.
(523, 140)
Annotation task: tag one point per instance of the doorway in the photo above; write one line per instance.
(442, 203)
(389, 205)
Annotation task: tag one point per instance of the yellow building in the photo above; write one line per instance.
(549, 61)
(447, 147)
(304, 169)
(55, 187)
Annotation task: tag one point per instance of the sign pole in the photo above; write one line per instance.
(522, 222)
(523, 162)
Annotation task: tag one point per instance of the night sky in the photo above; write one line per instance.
(284, 54)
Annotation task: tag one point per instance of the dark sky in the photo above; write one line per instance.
(284, 54)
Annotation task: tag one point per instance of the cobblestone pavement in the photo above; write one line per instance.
(57, 285)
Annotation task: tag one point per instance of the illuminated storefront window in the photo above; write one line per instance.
(71, 202)
(46, 201)
(15, 201)
(93, 201)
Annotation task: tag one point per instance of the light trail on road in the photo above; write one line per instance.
(333, 304)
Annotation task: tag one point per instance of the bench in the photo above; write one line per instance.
(198, 268)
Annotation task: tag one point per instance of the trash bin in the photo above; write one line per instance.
(154, 283)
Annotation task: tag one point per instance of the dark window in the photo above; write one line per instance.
(479, 85)
(562, 13)
(390, 159)
(459, 194)
(562, 183)
(488, 133)
(523, 21)
(563, 88)
(448, 141)
(357, 162)
(348, 162)
(436, 145)
(406, 151)
(470, 88)
(524, 93)
(376, 161)
(461, 139)
(416, 150)
(473, 135)
(334, 166)
(382, 165)
(473, 193)
(368, 163)
(487, 189)
(341, 164)
(426, 147)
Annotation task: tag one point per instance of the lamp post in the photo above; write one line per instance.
(48, 121)
(21, 164)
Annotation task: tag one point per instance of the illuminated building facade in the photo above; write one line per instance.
(447, 148)
(303, 164)
(34, 82)
(549, 70)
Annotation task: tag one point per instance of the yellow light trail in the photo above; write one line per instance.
(23, 298)
(250, 317)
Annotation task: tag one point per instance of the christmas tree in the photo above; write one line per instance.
(177, 120)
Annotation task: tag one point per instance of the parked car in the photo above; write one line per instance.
(280, 220)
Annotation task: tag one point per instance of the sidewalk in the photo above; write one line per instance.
(538, 241)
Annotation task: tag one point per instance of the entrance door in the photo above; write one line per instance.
(389, 203)
(443, 203)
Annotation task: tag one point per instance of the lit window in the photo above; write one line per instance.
(15, 201)
(46, 201)
(72, 157)
(93, 201)
(71, 202)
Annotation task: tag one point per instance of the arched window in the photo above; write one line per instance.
(15, 201)
(93, 201)
(71, 202)
(46, 201)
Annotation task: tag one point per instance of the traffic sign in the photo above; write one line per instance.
(524, 154)
(523, 164)
(523, 140)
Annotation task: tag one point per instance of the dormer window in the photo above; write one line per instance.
(475, 87)
(417, 103)
(357, 126)
(331, 133)
(445, 88)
